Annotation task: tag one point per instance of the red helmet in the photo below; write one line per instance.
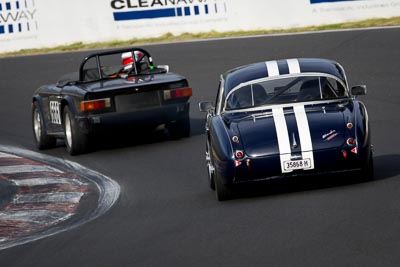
(127, 59)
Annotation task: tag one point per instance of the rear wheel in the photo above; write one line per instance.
(42, 140)
(367, 172)
(222, 191)
(210, 167)
(75, 140)
(179, 128)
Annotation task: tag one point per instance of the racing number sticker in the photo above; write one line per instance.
(55, 112)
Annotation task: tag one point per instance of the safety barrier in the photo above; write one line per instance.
(46, 23)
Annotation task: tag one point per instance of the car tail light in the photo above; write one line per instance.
(95, 104)
(248, 163)
(351, 141)
(177, 93)
(239, 154)
(235, 139)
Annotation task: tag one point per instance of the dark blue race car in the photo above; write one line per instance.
(294, 117)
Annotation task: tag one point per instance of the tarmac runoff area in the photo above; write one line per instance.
(42, 195)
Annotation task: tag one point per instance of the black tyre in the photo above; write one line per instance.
(222, 191)
(367, 172)
(75, 140)
(180, 128)
(42, 140)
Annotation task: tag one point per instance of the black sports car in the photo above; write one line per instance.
(115, 88)
(285, 118)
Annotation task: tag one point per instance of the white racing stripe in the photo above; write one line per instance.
(304, 134)
(27, 168)
(282, 135)
(272, 67)
(294, 65)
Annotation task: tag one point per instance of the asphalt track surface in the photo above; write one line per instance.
(167, 216)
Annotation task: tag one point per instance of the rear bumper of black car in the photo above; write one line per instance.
(135, 119)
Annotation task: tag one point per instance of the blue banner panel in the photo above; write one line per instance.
(145, 14)
(328, 1)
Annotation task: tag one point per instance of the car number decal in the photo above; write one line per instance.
(55, 112)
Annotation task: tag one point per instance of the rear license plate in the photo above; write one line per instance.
(301, 164)
(137, 101)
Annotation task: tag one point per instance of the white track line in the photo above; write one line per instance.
(56, 197)
(26, 168)
(108, 191)
(5, 155)
(46, 181)
(36, 216)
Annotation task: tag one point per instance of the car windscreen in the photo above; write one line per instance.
(285, 90)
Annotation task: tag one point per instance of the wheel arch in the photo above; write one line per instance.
(40, 105)
(68, 101)
(362, 124)
(41, 135)
(38, 100)
(363, 132)
(221, 150)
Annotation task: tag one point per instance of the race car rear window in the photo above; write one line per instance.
(285, 90)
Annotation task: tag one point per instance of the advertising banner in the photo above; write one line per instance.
(46, 23)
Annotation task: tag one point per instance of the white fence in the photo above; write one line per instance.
(46, 23)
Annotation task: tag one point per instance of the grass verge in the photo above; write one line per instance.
(168, 37)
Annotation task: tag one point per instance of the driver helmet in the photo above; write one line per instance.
(127, 59)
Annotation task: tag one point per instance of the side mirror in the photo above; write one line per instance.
(205, 106)
(165, 67)
(359, 90)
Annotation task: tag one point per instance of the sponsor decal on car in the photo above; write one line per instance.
(329, 136)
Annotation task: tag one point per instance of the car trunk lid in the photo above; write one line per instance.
(292, 130)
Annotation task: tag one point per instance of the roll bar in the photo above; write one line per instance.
(111, 52)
